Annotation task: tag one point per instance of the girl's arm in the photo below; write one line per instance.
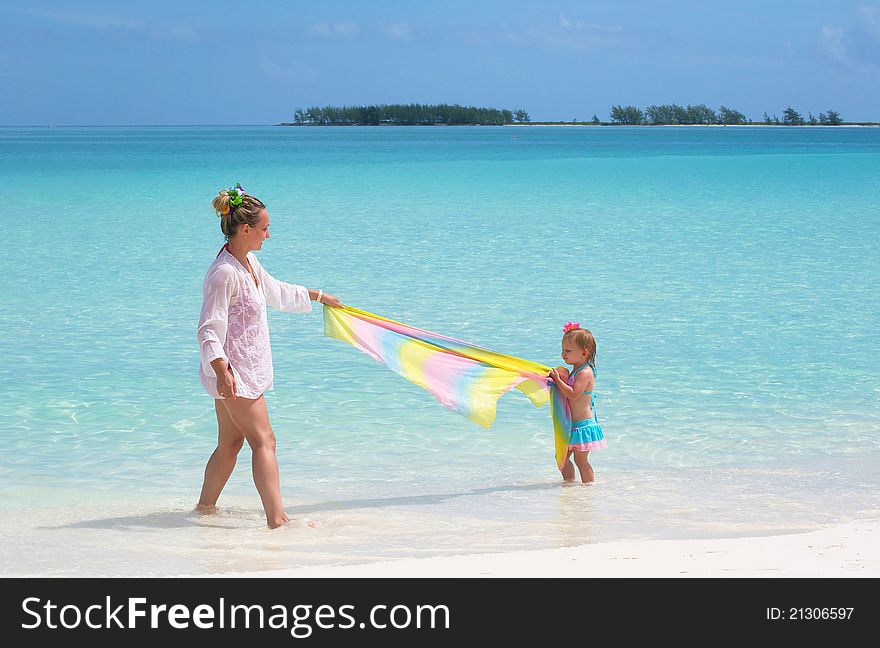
(572, 391)
(561, 385)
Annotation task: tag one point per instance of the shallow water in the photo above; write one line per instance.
(729, 276)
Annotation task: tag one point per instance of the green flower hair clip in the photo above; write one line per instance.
(236, 195)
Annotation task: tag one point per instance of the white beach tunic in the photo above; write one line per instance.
(233, 323)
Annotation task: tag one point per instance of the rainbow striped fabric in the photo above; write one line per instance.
(465, 378)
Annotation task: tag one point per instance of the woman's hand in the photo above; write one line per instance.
(331, 300)
(226, 384)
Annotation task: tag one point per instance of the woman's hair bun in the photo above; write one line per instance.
(221, 203)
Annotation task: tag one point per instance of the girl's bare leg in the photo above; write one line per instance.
(567, 469)
(582, 459)
(222, 461)
(252, 418)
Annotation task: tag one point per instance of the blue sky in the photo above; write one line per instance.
(198, 62)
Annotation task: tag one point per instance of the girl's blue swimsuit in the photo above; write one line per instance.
(586, 435)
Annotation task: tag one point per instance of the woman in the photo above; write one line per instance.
(236, 361)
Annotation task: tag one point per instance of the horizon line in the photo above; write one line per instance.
(534, 122)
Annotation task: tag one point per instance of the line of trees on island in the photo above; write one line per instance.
(457, 115)
(702, 114)
(402, 115)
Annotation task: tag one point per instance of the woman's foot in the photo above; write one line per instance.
(277, 522)
(297, 522)
(205, 509)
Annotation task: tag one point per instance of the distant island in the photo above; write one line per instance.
(673, 114)
(402, 115)
(458, 115)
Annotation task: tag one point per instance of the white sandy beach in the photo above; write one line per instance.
(847, 550)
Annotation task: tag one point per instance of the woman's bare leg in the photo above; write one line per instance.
(252, 418)
(229, 441)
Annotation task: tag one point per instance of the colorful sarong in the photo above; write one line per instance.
(465, 378)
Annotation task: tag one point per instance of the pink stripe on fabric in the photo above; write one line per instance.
(442, 372)
(368, 339)
(587, 447)
(435, 338)
(409, 331)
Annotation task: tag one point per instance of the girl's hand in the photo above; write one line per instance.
(331, 300)
(226, 384)
(554, 375)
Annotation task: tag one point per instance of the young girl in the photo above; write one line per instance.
(579, 350)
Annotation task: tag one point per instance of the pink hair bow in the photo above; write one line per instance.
(570, 326)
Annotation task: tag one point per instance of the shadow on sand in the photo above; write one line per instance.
(182, 519)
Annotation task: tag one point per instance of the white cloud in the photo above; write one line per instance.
(293, 71)
(574, 35)
(869, 19)
(513, 37)
(174, 32)
(565, 23)
(564, 34)
(399, 31)
(472, 37)
(180, 33)
(857, 44)
(95, 21)
(488, 60)
(833, 41)
(344, 30)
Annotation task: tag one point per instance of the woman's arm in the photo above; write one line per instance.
(324, 298)
(290, 298)
(225, 378)
(219, 290)
(283, 296)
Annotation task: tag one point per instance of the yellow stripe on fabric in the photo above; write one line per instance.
(413, 356)
(501, 360)
(561, 434)
(536, 392)
(335, 327)
(485, 392)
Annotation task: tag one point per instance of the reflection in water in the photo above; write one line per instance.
(575, 517)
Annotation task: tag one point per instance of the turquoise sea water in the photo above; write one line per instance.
(729, 274)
